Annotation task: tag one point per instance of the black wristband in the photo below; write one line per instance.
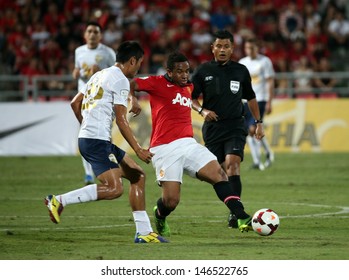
(200, 110)
(258, 121)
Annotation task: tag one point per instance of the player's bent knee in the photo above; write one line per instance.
(222, 175)
(135, 176)
(214, 173)
(115, 191)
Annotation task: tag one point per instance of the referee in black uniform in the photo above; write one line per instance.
(223, 84)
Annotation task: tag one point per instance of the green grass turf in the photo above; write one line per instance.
(310, 192)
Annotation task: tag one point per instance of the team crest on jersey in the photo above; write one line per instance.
(112, 158)
(124, 92)
(234, 86)
(98, 58)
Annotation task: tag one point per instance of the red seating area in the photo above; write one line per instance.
(39, 37)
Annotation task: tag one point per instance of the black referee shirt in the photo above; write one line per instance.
(223, 87)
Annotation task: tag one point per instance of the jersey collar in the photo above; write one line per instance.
(218, 64)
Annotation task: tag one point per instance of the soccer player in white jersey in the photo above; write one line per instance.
(101, 101)
(262, 75)
(90, 58)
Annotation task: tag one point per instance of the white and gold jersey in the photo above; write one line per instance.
(260, 68)
(105, 89)
(102, 56)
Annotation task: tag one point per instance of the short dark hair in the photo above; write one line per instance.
(223, 34)
(128, 49)
(175, 57)
(94, 23)
(252, 40)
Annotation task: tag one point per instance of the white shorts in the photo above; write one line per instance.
(182, 155)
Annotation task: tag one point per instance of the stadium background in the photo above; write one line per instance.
(309, 190)
(38, 38)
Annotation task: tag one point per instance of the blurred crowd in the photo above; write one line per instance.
(302, 36)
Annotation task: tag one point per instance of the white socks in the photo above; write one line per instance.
(266, 146)
(143, 226)
(89, 193)
(84, 194)
(255, 149)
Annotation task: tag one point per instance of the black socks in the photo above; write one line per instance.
(226, 194)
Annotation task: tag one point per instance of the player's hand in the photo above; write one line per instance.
(259, 131)
(209, 116)
(144, 155)
(135, 107)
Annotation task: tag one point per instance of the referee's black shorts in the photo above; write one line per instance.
(234, 145)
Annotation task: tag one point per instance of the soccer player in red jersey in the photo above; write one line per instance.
(172, 144)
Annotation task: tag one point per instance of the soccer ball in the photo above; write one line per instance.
(265, 222)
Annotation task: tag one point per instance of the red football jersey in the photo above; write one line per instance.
(170, 109)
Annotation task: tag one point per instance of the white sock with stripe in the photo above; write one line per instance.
(84, 194)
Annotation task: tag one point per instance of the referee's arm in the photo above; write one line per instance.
(254, 109)
(197, 106)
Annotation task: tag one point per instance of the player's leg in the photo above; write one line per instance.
(168, 164)
(219, 151)
(96, 152)
(165, 205)
(207, 168)
(89, 175)
(249, 123)
(263, 142)
(214, 174)
(234, 155)
(268, 152)
(109, 188)
(255, 149)
(135, 174)
(112, 188)
(232, 165)
(252, 143)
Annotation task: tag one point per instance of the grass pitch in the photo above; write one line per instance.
(310, 192)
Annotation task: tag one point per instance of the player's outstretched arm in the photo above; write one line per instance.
(125, 129)
(76, 106)
(208, 115)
